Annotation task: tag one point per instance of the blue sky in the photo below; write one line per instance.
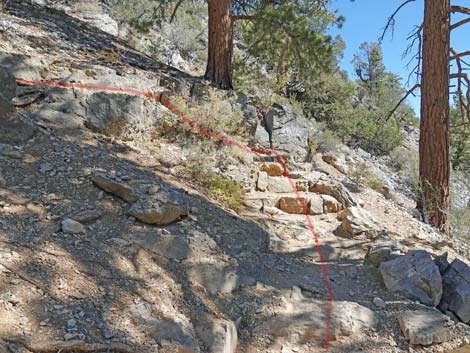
(365, 20)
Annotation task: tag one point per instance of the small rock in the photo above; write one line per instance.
(108, 334)
(71, 324)
(44, 168)
(293, 205)
(153, 189)
(379, 303)
(87, 216)
(70, 226)
(442, 262)
(155, 212)
(316, 205)
(114, 187)
(219, 335)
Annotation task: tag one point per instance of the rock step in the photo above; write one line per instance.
(289, 203)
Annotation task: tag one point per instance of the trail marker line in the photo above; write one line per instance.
(225, 140)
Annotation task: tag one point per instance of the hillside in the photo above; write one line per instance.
(122, 229)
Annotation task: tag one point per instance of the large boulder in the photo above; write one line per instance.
(415, 276)
(456, 290)
(290, 132)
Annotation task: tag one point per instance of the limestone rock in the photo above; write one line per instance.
(293, 205)
(456, 294)
(72, 227)
(262, 182)
(316, 205)
(415, 276)
(330, 204)
(425, 327)
(113, 186)
(334, 189)
(279, 185)
(272, 169)
(356, 220)
(154, 211)
(218, 335)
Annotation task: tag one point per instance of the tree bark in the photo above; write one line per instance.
(434, 162)
(220, 47)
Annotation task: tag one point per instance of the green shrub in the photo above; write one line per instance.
(362, 177)
(226, 190)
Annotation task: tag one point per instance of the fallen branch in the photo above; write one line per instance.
(410, 91)
(70, 346)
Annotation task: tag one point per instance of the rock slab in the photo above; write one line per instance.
(425, 327)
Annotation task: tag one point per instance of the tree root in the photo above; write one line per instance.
(70, 346)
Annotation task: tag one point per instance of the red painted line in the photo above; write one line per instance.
(225, 140)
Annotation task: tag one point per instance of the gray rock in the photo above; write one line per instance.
(290, 132)
(7, 92)
(425, 327)
(113, 186)
(456, 293)
(379, 303)
(384, 250)
(87, 216)
(72, 227)
(169, 333)
(172, 246)
(153, 211)
(218, 335)
(16, 128)
(415, 276)
(71, 324)
(442, 262)
(121, 115)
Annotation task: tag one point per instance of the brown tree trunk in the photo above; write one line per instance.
(434, 163)
(220, 52)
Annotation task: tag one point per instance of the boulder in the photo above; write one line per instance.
(334, 189)
(384, 250)
(290, 132)
(330, 204)
(456, 290)
(356, 220)
(154, 211)
(114, 186)
(415, 276)
(218, 335)
(425, 327)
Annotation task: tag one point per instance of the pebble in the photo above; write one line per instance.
(72, 227)
(379, 303)
(71, 324)
(108, 334)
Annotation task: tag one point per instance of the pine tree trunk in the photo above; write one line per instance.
(220, 52)
(434, 163)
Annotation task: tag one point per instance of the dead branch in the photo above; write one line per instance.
(410, 91)
(70, 347)
(460, 9)
(459, 55)
(175, 10)
(391, 19)
(460, 23)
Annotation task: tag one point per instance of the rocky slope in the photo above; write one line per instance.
(108, 243)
